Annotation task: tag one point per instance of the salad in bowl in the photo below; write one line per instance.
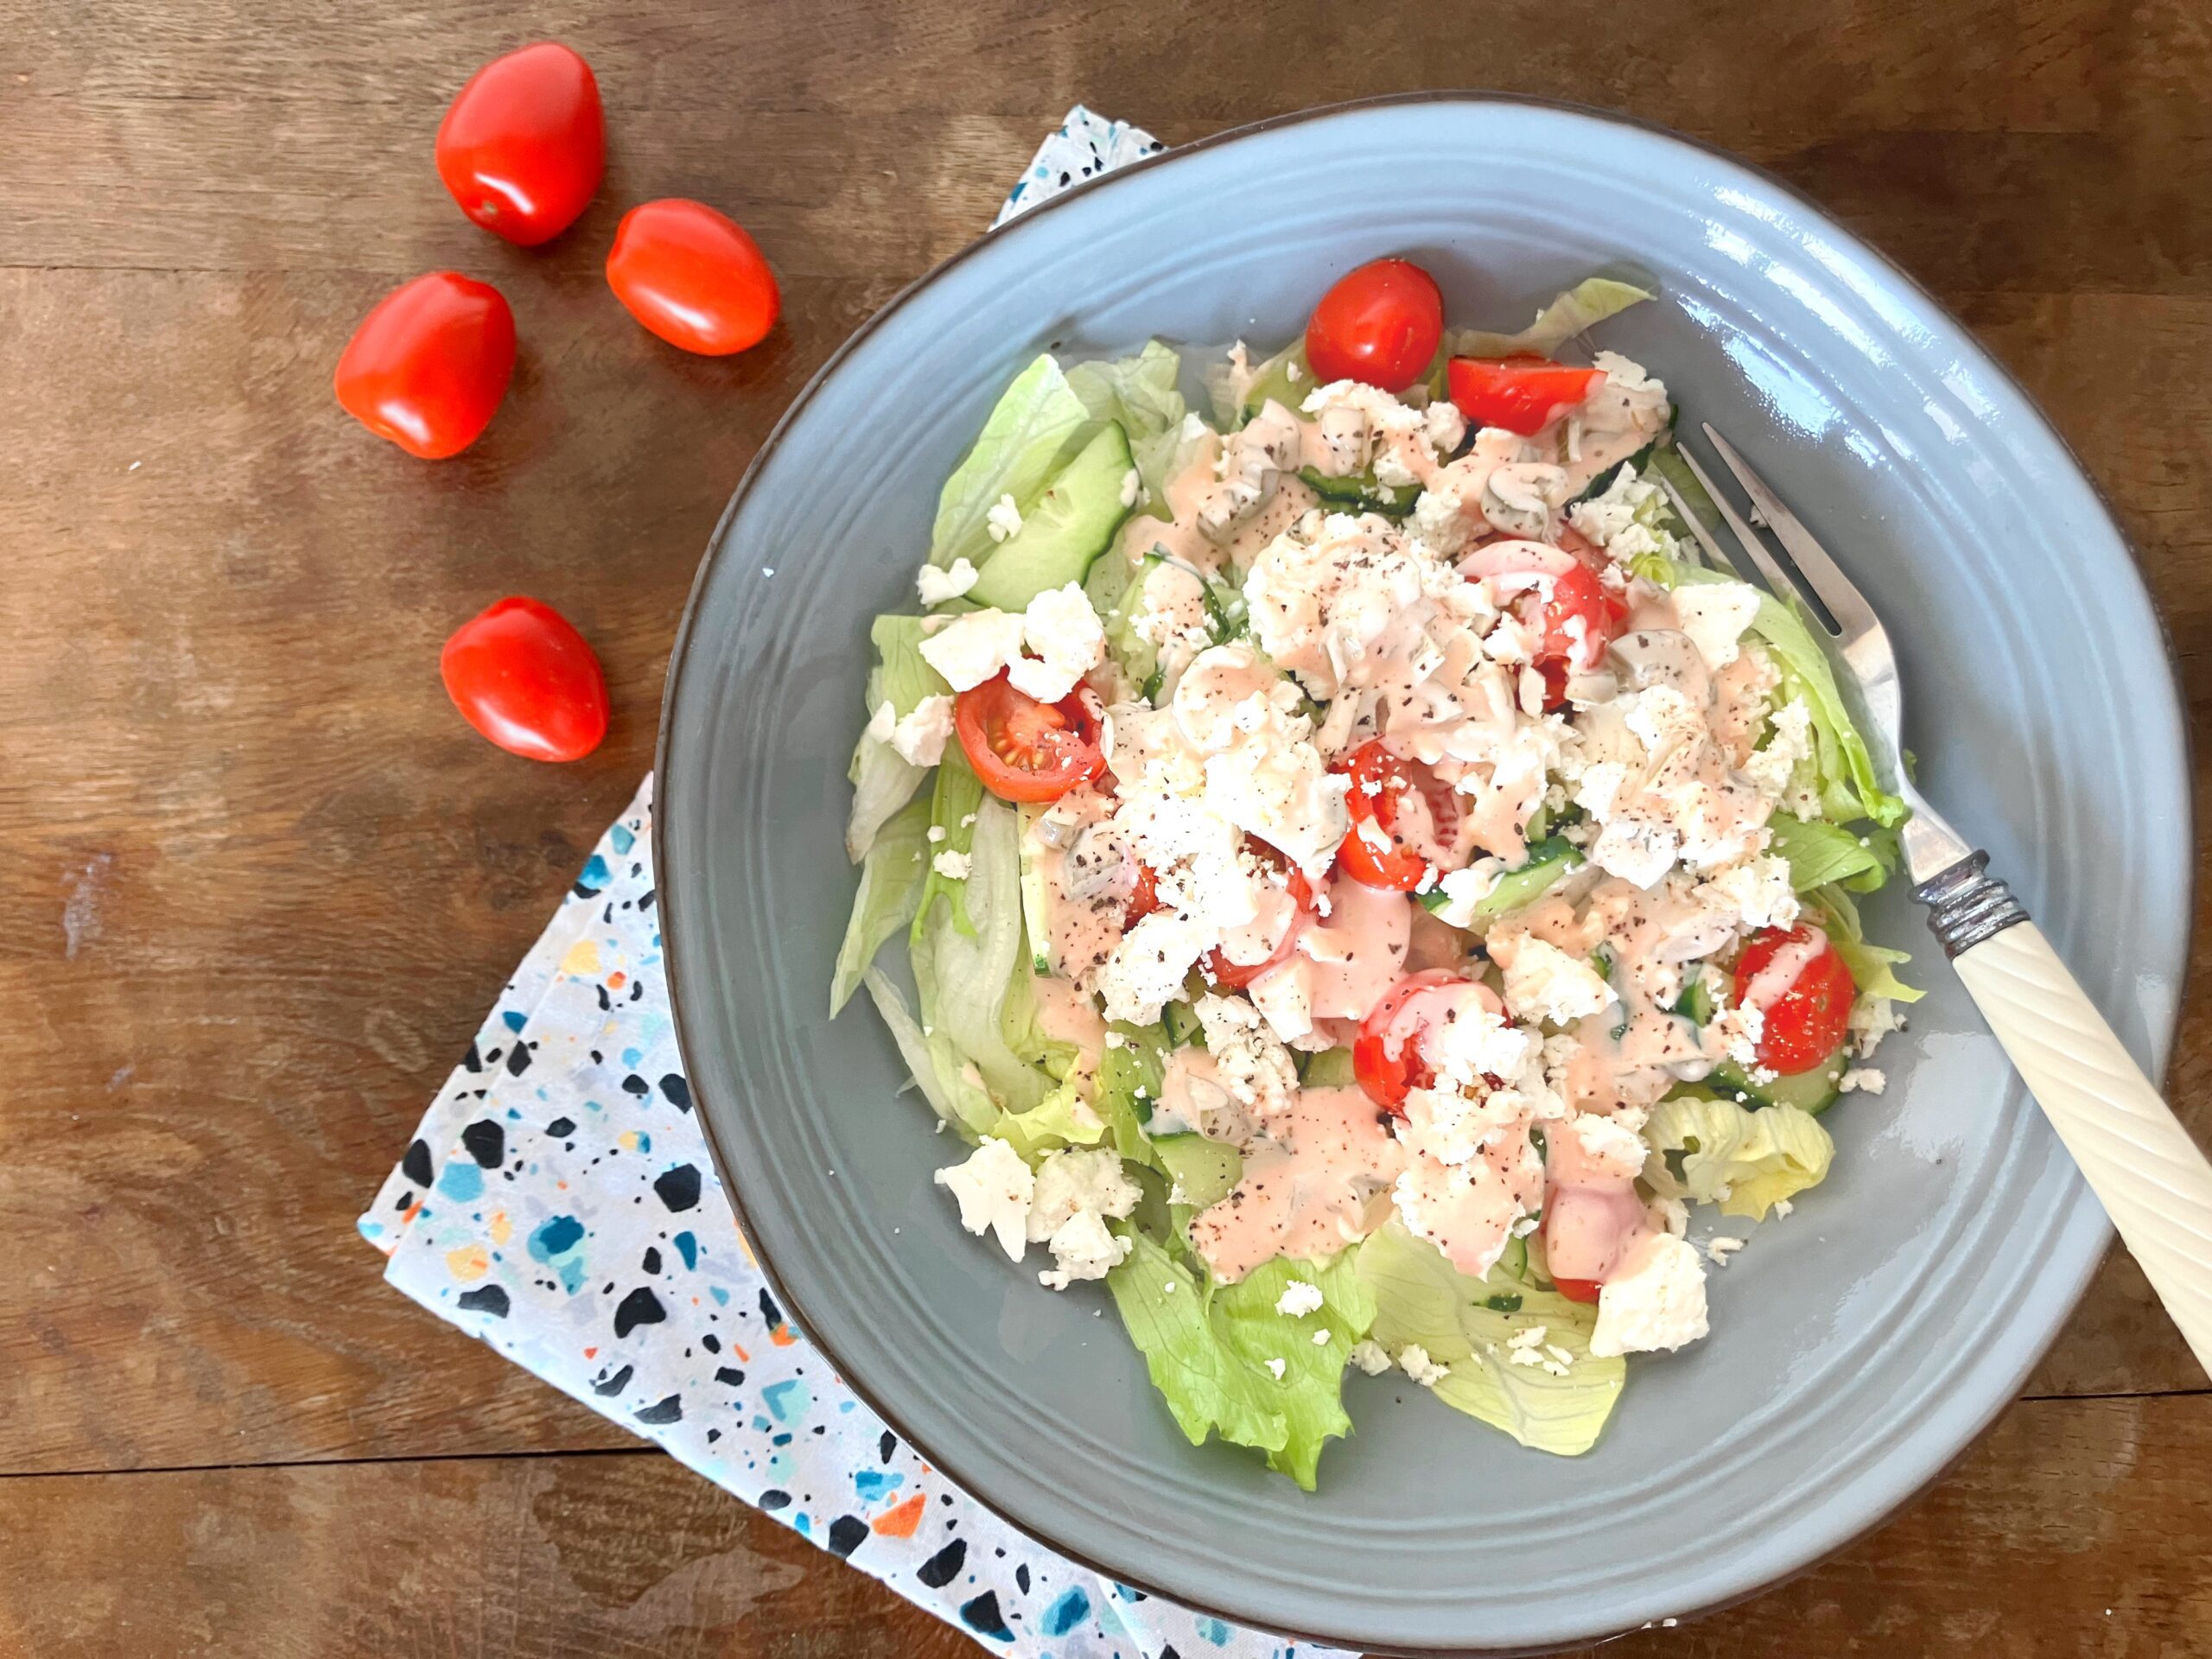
(1364, 877)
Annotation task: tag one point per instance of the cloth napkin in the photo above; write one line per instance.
(558, 1202)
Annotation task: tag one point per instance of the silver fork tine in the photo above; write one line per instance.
(1697, 527)
(1777, 579)
(1837, 592)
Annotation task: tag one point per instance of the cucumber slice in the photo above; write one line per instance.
(1181, 1021)
(1329, 1068)
(1813, 1092)
(1072, 523)
(1361, 493)
(1034, 922)
(1204, 1172)
(1695, 1004)
(1548, 860)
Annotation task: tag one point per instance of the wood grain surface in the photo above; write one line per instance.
(262, 882)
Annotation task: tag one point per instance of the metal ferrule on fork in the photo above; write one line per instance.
(1966, 904)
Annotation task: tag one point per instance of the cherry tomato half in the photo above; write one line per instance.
(1578, 1290)
(1799, 982)
(1025, 750)
(692, 277)
(1144, 898)
(522, 675)
(1379, 783)
(524, 145)
(1381, 323)
(1387, 1055)
(427, 368)
(1235, 975)
(1520, 394)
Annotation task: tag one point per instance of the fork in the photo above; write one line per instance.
(2150, 1177)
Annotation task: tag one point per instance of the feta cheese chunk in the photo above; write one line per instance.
(1862, 1079)
(1370, 1356)
(1413, 1360)
(920, 736)
(1078, 1192)
(971, 649)
(938, 586)
(1299, 1299)
(1714, 614)
(1654, 1300)
(1543, 982)
(952, 865)
(1064, 632)
(994, 1190)
(1003, 520)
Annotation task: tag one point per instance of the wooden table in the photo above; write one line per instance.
(262, 882)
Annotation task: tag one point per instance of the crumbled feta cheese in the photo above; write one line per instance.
(1721, 1248)
(1714, 614)
(1754, 894)
(1464, 889)
(1672, 1215)
(1003, 520)
(994, 1188)
(1370, 1356)
(1255, 1069)
(1064, 632)
(1321, 1337)
(920, 736)
(1863, 1080)
(1609, 1145)
(1075, 1192)
(937, 586)
(936, 832)
(1543, 982)
(1413, 1360)
(1299, 1299)
(1781, 1207)
(951, 865)
(970, 649)
(1769, 767)
(1655, 1299)
(1132, 486)
(1276, 1367)
(883, 722)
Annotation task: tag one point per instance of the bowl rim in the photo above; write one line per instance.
(682, 653)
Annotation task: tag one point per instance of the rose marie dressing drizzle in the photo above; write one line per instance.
(1317, 1175)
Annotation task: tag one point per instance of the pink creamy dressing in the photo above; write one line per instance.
(1318, 1183)
(1591, 1218)
(1782, 970)
(1344, 961)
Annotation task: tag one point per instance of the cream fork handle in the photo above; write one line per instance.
(2140, 1162)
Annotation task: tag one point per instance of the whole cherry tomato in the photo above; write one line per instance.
(1518, 393)
(692, 277)
(520, 674)
(427, 367)
(1388, 1056)
(1025, 750)
(1800, 982)
(524, 145)
(1376, 850)
(1381, 323)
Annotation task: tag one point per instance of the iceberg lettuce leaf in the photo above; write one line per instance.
(1422, 1300)
(890, 894)
(1745, 1161)
(1035, 426)
(1584, 306)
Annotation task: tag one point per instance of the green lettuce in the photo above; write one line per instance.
(1872, 966)
(1062, 1118)
(1712, 1151)
(883, 781)
(1037, 425)
(1586, 304)
(1208, 1355)
(965, 976)
(953, 1088)
(953, 807)
(1144, 395)
(1820, 853)
(1841, 771)
(1422, 1300)
(890, 895)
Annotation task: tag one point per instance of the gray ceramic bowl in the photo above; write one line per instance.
(1858, 1345)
